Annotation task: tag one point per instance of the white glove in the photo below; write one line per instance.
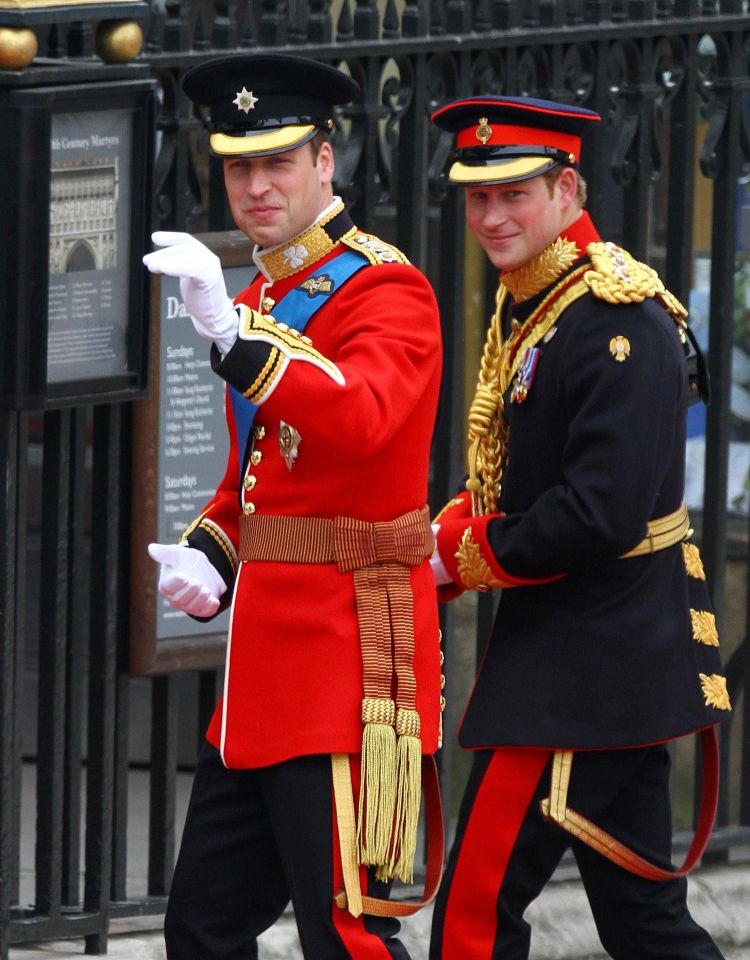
(202, 286)
(438, 568)
(187, 578)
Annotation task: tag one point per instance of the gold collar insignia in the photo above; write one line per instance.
(544, 269)
(301, 251)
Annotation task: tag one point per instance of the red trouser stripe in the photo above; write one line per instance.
(354, 936)
(496, 816)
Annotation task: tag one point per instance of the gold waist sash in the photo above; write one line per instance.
(380, 557)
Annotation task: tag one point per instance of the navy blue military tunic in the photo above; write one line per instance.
(606, 656)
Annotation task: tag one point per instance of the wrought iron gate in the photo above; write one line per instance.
(666, 175)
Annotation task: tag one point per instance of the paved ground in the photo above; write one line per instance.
(561, 921)
(562, 925)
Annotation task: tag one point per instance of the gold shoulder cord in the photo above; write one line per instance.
(377, 251)
(488, 431)
(617, 277)
(614, 276)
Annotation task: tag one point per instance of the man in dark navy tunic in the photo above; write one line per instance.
(604, 647)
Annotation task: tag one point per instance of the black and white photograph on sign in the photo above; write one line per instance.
(88, 245)
(193, 440)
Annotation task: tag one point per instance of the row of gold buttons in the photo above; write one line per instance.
(250, 480)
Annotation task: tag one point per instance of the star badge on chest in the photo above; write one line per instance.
(289, 441)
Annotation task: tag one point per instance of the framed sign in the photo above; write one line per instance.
(180, 448)
(76, 304)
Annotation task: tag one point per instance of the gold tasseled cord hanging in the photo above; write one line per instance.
(377, 792)
(487, 433)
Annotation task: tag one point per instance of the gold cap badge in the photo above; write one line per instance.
(619, 347)
(484, 130)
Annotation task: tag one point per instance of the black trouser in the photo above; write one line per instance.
(253, 841)
(505, 852)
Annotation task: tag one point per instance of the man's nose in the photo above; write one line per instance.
(495, 213)
(257, 183)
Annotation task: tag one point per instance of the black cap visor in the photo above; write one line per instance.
(494, 165)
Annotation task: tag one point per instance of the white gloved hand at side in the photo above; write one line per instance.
(188, 579)
(438, 567)
(202, 286)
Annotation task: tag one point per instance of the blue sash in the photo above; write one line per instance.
(296, 310)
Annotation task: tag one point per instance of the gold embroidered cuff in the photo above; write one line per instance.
(289, 344)
(272, 370)
(473, 569)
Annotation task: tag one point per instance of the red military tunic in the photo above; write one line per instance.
(293, 682)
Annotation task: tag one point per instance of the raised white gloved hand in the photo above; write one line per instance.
(202, 286)
(438, 567)
(187, 578)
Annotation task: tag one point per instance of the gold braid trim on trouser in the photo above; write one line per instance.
(555, 809)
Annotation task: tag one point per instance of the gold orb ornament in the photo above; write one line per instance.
(118, 41)
(18, 47)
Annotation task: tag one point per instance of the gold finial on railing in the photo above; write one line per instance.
(18, 47)
(118, 41)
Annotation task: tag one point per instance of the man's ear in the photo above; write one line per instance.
(567, 184)
(325, 163)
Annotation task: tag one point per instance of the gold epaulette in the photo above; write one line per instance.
(376, 250)
(617, 277)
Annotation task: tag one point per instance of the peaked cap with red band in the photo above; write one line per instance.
(505, 139)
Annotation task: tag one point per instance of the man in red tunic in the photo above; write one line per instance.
(317, 537)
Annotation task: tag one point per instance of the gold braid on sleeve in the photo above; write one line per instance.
(488, 431)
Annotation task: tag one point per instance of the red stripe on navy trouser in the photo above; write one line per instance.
(357, 940)
(498, 810)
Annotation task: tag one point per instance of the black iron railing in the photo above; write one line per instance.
(665, 173)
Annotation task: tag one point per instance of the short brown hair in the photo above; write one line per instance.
(581, 190)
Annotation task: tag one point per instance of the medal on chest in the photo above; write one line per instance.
(289, 440)
(524, 375)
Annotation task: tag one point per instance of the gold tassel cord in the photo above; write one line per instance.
(408, 797)
(377, 793)
(380, 556)
(408, 729)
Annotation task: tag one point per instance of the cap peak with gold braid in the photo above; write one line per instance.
(505, 139)
(266, 103)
